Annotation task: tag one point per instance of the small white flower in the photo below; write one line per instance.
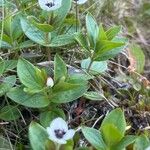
(80, 1)
(50, 5)
(50, 82)
(58, 131)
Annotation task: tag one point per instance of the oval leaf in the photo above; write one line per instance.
(60, 69)
(34, 34)
(115, 117)
(97, 67)
(9, 113)
(29, 100)
(38, 136)
(48, 116)
(94, 137)
(30, 75)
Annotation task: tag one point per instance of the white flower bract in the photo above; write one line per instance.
(148, 148)
(58, 131)
(50, 82)
(80, 1)
(50, 5)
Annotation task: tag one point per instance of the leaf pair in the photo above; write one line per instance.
(34, 92)
(46, 34)
(12, 31)
(101, 45)
(111, 134)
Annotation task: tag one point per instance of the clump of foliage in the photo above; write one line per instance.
(39, 79)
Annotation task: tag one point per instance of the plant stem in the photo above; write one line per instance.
(48, 49)
(47, 38)
(2, 28)
(77, 13)
(57, 146)
(48, 54)
(88, 69)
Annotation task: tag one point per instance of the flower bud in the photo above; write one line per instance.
(50, 82)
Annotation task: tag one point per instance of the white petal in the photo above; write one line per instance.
(69, 135)
(56, 140)
(80, 1)
(60, 141)
(43, 3)
(148, 148)
(59, 123)
(51, 133)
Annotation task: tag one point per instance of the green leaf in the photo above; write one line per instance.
(2, 67)
(62, 12)
(97, 67)
(30, 75)
(5, 45)
(7, 84)
(68, 96)
(7, 24)
(82, 40)
(26, 44)
(112, 32)
(92, 29)
(138, 55)
(50, 145)
(9, 113)
(105, 46)
(5, 144)
(10, 80)
(94, 137)
(4, 88)
(30, 100)
(6, 65)
(16, 30)
(102, 34)
(115, 117)
(127, 140)
(111, 134)
(68, 146)
(47, 116)
(82, 76)
(7, 38)
(34, 34)
(72, 94)
(71, 20)
(64, 86)
(40, 26)
(6, 41)
(108, 52)
(62, 40)
(95, 96)
(38, 136)
(60, 69)
(10, 65)
(141, 143)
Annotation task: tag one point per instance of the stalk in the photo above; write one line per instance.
(77, 13)
(57, 146)
(47, 38)
(88, 69)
